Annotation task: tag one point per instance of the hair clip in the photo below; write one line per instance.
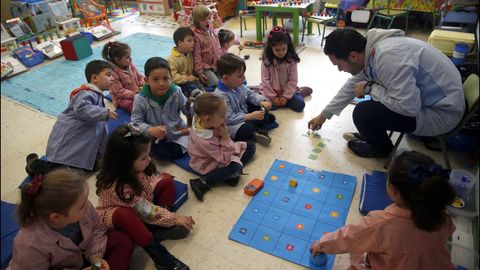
(417, 173)
(35, 186)
(134, 131)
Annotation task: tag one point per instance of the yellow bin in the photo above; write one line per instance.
(445, 41)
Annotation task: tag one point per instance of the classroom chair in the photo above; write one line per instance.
(384, 9)
(318, 20)
(471, 92)
(91, 12)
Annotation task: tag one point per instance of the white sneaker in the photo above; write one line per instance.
(348, 136)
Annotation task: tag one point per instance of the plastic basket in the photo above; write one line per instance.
(28, 56)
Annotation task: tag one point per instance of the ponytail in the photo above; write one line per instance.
(424, 187)
(113, 50)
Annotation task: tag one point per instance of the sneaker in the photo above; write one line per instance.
(262, 139)
(232, 182)
(348, 136)
(196, 92)
(178, 265)
(364, 149)
(305, 91)
(199, 188)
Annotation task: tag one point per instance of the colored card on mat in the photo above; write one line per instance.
(290, 248)
(276, 219)
(316, 191)
(308, 207)
(333, 215)
(344, 181)
(339, 197)
(286, 200)
(323, 177)
(243, 231)
(300, 227)
(255, 211)
(298, 171)
(281, 166)
(274, 178)
(322, 228)
(265, 239)
(266, 194)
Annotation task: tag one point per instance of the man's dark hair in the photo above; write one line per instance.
(229, 63)
(181, 33)
(96, 67)
(341, 42)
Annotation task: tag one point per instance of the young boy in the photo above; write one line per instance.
(181, 60)
(80, 131)
(247, 118)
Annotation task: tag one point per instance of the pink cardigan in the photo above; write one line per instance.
(108, 201)
(391, 241)
(270, 86)
(207, 49)
(208, 152)
(126, 83)
(37, 246)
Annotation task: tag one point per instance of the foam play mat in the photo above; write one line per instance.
(284, 220)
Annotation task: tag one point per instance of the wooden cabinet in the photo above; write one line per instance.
(226, 8)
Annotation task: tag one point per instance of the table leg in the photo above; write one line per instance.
(295, 27)
(309, 24)
(258, 22)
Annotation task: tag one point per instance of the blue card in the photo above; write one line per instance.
(243, 231)
(274, 178)
(322, 228)
(266, 194)
(333, 215)
(323, 177)
(276, 219)
(344, 181)
(308, 207)
(300, 227)
(316, 191)
(339, 197)
(281, 166)
(255, 211)
(290, 248)
(265, 239)
(286, 200)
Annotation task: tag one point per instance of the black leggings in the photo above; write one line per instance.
(373, 119)
(164, 150)
(246, 131)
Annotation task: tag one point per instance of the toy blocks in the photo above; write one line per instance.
(76, 47)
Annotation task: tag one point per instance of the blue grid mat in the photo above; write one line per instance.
(47, 88)
(284, 221)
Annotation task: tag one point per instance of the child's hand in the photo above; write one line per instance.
(191, 78)
(283, 101)
(240, 47)
(203, 78)
(266, 104)
(104, 263)
(256, 115)
(112, 115)
(315, 249)
(158, 132)
(276, 102)
(184, 131)
(360, 89)
(224, 132)
(186, 222)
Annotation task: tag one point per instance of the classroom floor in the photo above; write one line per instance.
(24, 130)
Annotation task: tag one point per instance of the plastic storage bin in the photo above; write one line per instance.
(445, 41)
(28, 56)
(466, 187)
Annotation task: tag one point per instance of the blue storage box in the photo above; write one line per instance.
(28, 56)
(373, 195)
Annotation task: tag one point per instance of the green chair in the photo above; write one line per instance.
(470, 91)
(318, 20)
(383, 9)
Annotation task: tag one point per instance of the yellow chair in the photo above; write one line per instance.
(308, 18)
(384, 9)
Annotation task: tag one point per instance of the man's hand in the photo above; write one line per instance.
(360, 89)
(317, 122)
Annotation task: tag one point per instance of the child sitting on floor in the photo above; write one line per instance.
(80, 132)
(127, 81)
(207, 46)
(247, 118)
(60, 228)
(156, 111)
(412, 232)
(181, 60)
(279, 72)
(213, 153)
(130, 192)
(227, 39)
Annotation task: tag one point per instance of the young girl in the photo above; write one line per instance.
(279, 72)
(127, 81)
(60, 228)
(227, 39)
(127, 185)
(156, 111)
(207, 46)
(213, 154)
(412, 232)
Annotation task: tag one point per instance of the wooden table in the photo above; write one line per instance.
(295, 10)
